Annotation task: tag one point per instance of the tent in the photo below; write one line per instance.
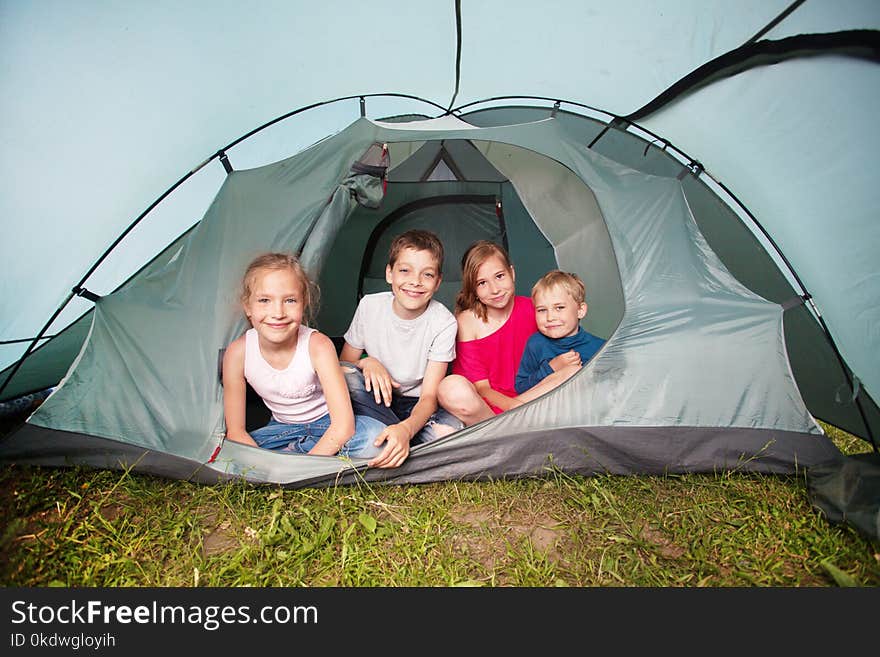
(727, 252)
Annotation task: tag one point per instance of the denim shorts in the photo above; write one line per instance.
(300, 438)
(364, 403)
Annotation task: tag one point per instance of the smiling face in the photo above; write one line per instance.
(557, 313)
(414, 277)
(495, 283)
(275, 306)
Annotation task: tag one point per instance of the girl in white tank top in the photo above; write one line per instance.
(293, 368)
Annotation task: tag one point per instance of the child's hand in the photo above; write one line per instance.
(396, 450)
(377, 380)
(567, 359)
(565, 373)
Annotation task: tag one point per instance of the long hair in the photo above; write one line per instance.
(276, 260)
(476, 254)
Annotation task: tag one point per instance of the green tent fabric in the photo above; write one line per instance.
(847, 492)
(707, 169)
(660, 397)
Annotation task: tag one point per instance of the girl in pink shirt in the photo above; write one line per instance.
(495, 357)
(493, 327)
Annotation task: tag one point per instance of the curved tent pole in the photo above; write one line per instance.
(460, 108)
(806, 297)
(80, 290)
(616, 120)
(863, 44)
(315, 105)
(697, 169)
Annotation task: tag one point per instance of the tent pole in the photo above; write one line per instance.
(30, 347)
(221, 155)
(457, 54)
(776, 21)
(863, 44)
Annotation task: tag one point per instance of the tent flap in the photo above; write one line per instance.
(847, 491)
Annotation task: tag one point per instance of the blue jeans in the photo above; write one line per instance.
(364, 403)
(300, 438)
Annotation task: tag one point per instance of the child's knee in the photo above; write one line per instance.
(360, 445)
(450, 389)
(456, 394)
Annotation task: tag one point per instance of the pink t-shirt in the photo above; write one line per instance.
(496, 357)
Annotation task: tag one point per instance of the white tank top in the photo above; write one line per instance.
(294, 394)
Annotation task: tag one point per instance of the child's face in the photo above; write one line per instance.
(495, 283)
(557, 313)
(414, 278)
(275, 307)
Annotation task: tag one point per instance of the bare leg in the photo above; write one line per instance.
(459, 396)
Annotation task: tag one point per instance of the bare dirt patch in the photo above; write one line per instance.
(111, 512)
(219, 540)
(666, 548)
(497, 531)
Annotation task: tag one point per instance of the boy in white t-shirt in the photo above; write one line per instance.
(409, 339)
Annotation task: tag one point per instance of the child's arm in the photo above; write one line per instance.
(532, 370)
(234, 393)
(350, 354)
(341, 429)
(494, 397)
(548, 383)
(398, 435)
(376, 378)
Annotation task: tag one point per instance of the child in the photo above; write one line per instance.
(493, 327)
(409, 339)
(492, 322)
(292, 367)
(560, 346)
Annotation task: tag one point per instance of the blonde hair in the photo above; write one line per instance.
(476, 254)
(569, 282)
(275, 261)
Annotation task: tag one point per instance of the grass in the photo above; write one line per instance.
(79, 527)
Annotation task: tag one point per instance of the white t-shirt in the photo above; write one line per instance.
(403, 346)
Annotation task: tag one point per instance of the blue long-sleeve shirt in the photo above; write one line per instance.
(540, 350)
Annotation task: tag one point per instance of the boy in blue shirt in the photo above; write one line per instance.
(560, 345)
